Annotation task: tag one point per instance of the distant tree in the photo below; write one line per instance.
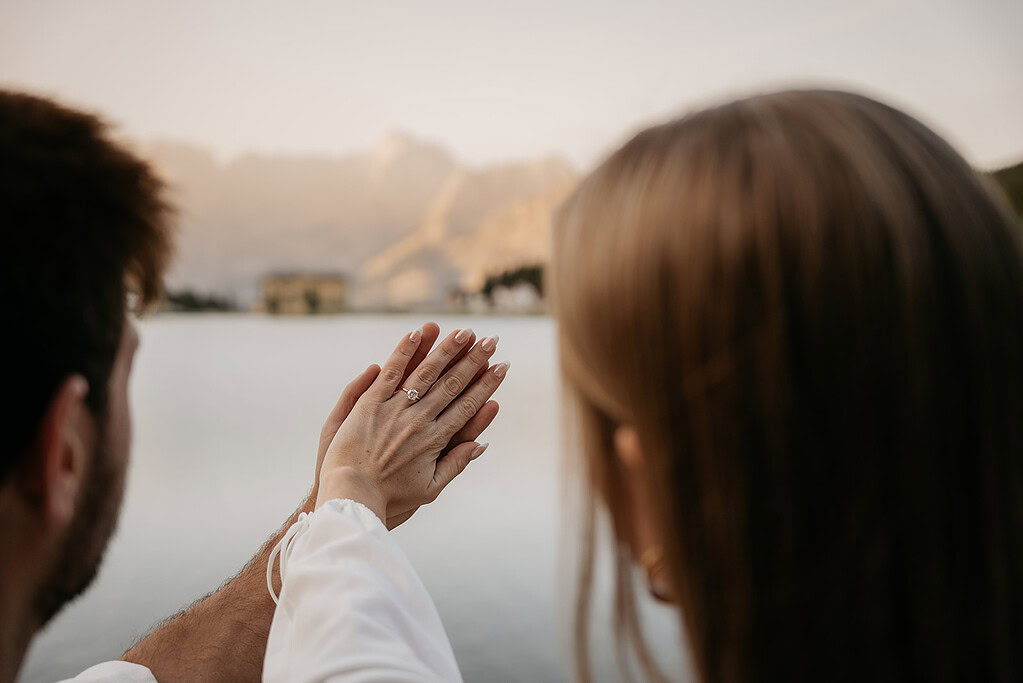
(1011, 180)
(532, 275)
(312, 301)
(190, 301)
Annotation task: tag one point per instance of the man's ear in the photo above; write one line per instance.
(55, 470)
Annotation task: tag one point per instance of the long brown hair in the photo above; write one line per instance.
(810, 308)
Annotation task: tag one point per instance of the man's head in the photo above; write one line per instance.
(84, 226)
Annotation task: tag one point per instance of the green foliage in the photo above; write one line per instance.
(509, 278)
(1011, 180)
(312, 302)
(190, 301)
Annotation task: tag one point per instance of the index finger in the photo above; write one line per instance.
(431, 331)
(393, 370)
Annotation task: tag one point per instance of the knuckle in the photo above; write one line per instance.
(450, 347)
(416, 422)
(452, 386)
(439, 441)
(405, 349)
(427, 374)
(391, 374)
(468, 407)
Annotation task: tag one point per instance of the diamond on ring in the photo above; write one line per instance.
(413, 394)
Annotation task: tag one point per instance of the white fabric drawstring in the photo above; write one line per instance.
(282, 548)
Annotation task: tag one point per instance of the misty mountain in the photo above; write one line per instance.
(481, 223)
(402, 218)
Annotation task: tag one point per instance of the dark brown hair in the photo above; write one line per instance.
(810, 308)
(83, 222)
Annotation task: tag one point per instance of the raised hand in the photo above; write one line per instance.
(393, 453)
(357, 387)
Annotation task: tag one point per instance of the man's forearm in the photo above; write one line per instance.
(222, 637)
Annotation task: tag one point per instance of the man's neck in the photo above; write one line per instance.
(17, 624)
(19, 576)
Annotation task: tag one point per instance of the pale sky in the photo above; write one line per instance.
(496, 81)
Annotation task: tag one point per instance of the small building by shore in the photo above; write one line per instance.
(300, 293)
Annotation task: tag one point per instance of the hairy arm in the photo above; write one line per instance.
(222, 636)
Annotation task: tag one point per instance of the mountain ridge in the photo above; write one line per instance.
(258, 213)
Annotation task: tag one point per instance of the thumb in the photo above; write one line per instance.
(349, 397)
(342, 409)
(455, 461)
(353, 392)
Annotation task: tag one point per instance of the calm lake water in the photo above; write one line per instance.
(227, 413)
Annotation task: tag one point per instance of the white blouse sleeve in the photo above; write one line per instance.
(114, 672)
(351, 607)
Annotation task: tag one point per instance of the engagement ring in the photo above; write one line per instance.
(413, 394)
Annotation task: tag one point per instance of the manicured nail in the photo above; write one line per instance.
(490, 343)
(478, 451)
(463, 335)
(416, 335)
(501, 369)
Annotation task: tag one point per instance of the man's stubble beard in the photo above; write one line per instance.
(88, 535)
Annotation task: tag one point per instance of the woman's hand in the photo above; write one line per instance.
(357, 387)
(393, 454)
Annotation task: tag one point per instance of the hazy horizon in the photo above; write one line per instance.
(270, 122)
(243, 155)
(503, 83)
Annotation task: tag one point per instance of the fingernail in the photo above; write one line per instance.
(463, 335)
(416, 335)
(478, 451)
(490, 343)
(501, 369)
